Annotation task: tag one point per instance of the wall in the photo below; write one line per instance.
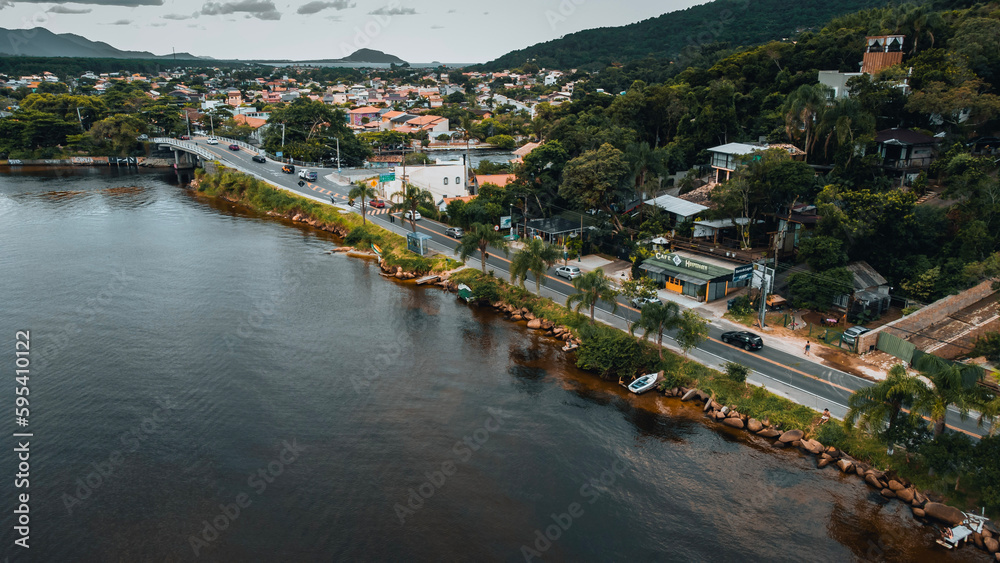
(935, 312)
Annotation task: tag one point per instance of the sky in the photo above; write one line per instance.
(420, 31)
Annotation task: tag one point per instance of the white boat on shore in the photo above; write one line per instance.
(643, 384)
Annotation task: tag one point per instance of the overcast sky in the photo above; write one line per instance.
(449, 31)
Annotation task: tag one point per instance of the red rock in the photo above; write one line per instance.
(905, 495)
(896, 485)
(769, 433)
(992, 545)
(918, 512)
(516, 318)
(791, 436)
(944, 513)
(873, 481)
(733, 422)
(977, 539)
(535, 323)
(887, 493)
(754, 425)
(844, 465)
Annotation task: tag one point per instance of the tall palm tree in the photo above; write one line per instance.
(884, 400)
(408, 199)
(802, 109)
(480, 237)
(591, 288)
(364, 191)
(536, 257)
(656, 318)
(954, 385)
(989, 409)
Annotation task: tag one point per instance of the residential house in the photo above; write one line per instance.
(499, 180)
(725, 159)
(905, 151)
(523, 151)
(259, 125)
(881, 52)
(870, 291)
(677, 209)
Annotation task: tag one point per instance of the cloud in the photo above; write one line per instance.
(317, 5)
(127, 3)
(160, 24)
(121, 22)
(260, 9)
(452, 11)
(65, 10)
(179, 17)
(6, 4)
(437, 27)
(395, 11)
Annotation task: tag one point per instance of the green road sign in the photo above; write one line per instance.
(386, 177)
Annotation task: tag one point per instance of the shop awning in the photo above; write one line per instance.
(652, 268)
(689, 279)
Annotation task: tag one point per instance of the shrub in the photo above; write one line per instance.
(736, 373)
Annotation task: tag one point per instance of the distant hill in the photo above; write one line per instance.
(737, 22)
(372, 56)
(40, 42)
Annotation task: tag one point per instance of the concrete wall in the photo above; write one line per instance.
(933, 313)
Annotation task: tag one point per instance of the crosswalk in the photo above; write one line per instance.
(370, 210)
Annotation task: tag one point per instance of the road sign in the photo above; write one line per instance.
(742, 273)
(505, 222)
(387, 177)
(278, 154)
(496, 227)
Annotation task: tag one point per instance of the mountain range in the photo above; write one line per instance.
(735, 22)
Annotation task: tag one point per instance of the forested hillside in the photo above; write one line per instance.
(685, 32)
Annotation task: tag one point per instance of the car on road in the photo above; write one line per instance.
(379, 203)
(638, 302)
(212, 141)
(851, 335)
(234, 147)
(412, 215)
(143, 137)
(746, 340)
(454, 232)
(258, 158)
(310, 176)
(185, 137)
(288, 169)
(568, 272)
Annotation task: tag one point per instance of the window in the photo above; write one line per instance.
(458, 181)
(446, 181)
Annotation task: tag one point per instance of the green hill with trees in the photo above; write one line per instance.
(683, 33)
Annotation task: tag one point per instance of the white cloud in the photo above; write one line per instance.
(65, 10)
(179, 17)
(317, 5)
(394, 11)
(121, 22)
(132, 3)
(260, 9)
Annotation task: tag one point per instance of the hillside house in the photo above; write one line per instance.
(905, 151)
(870, 291)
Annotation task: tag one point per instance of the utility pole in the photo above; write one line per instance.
(187, 118)
(282, 135)
(765, 286)
(211, 121)
(338, 154)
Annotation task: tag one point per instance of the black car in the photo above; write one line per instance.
(258, 158)
(747, 340)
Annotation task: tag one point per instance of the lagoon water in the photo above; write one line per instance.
(208, 384)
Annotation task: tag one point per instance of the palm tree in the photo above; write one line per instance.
(480, 237)
(364, 191)
(989, 410)
(954, 384)
(802, 109)
(408, 199)
(884, 400)
(656, 318)
(591, 288)
(536, 257)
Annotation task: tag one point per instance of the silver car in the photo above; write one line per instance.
(851, 335)
(568, 272)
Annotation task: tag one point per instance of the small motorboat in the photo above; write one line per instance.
(465, 292)
(643, 384)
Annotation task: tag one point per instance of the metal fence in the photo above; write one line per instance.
(187, 146)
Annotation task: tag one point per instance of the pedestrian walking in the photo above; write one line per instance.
(807, 347)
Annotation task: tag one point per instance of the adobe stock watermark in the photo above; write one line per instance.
(104, 470)
(709, 33)
(364, 35)
(258, 481)
(563, 11)
(592, 490)
(462, 452)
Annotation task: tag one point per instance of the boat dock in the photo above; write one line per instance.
(428, 279)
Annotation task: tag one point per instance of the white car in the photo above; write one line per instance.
(412, 216)
(568, 272)
(212, 141)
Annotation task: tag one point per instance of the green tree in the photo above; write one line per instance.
(535, 257)
(409, 199)
(594, 180)
(480, 238)
(692, 330)
(590, 288)
(503, 142)
(817, 290)
(802, 110)
(655, 318)
(881, 403)
(363, 190)
(119, 132)
(954, 384)
(736, 372)
(822, 252)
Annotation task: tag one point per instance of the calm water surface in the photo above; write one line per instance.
(201, 372)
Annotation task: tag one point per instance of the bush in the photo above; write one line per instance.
(505, 142)
(613, 354)
(737, 373)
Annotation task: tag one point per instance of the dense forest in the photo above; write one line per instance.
(681, 35)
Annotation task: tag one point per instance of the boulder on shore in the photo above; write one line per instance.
(992, 545)
(887, 493)
(791, 436)
(824, 460)
(754, 425)
(769, 433)
(733, 422)
(535, 323)
(873, 481)
(844, 465)
(895, 485)
(918, 512)
(944, 513)
(691, 395)
(811, 446)
(905, 495)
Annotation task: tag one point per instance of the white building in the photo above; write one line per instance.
(443, 179)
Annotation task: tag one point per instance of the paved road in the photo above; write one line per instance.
(792, 376)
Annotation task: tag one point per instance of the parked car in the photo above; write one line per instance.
(638, 302)
(454, 232)
(212, 141)
(412, 215)
(234, 147)
(746, 340)
(258, 158)
(379, 203)
(851, 335)
(288, 169)
(568, 272)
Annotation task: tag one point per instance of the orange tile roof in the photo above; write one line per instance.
(366, 109)
(254, 122)
(497, 179)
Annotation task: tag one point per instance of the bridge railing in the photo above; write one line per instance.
(259, 150)
(187, 146)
